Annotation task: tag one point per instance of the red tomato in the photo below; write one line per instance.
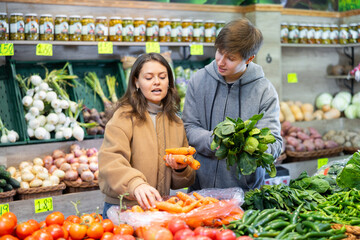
(108, 225)
(124, 229)
(42, 235)
(204, 231)
(7, 226)
(226, 234)
(123, 237)
(34, 224)
(244, 238)
(95, 230)
(97, 217)
(23, 230)
(8, 237)
(198, 237)
(42, 224)
(55, 218)
(158, 233)
(11, 216)
(66, 232)
(56, 231)
(73, 219)
(107, 235)
(175, 225)
(140, 231)
(67, 225)
(30, 238)
(87, 219)
(183, 234)
(77, 231)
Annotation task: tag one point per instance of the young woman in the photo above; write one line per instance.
(142, 127)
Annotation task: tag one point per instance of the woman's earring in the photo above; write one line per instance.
(137, 89)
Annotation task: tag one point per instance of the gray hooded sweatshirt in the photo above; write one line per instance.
(209, 99)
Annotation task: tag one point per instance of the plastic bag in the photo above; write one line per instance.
(333, 168)
(207, 215)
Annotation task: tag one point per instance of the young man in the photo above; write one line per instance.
(231, 86)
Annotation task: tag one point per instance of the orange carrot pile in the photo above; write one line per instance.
(184, 155)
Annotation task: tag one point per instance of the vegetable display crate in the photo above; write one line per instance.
(73, 186)
(102, 68)
(302, 156)
(26, 69)
(40, 192)
(10, 110)
(350, 150)
(7, 196)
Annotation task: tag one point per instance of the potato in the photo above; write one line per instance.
(319, 144)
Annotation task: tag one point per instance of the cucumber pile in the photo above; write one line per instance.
(7, 183)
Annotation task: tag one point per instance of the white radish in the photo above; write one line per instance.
(49, 127)
(39, 105)
(34, 111)
(52, 118)
(67, 133)
(27, 101)
(42, 95)
(34, 123)
(40, 133)
(50, 96)
(4, 139)
(78, 133)
(36, 80)
(55, 103)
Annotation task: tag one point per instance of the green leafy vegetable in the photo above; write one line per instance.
(350, 175)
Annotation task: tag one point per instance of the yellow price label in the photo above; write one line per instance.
(105, 48)
(292, 78)
(196, 49)
(7, 49)
(321, 162)
(44, 49)
(43, 205)
(152, 47)
(4, 208)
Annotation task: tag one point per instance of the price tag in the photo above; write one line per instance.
(321, 162)
(196, 49)
(44, 49)
(4, 208)
(105, 48)
(43, 205)
(152, 47)
(292, 78)
(7, 49)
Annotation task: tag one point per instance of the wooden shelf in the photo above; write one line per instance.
(319, 45)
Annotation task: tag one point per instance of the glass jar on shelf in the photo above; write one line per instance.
(164, 30)
(139, 29)
(31, 27)
(4, 26)
(199, 30)
(293, 33)
(128, 29)
(61, 28)
(334, 34)
(210, 31)
(284, 32)
(101, 29)
(88, 28)
(311, 34)
(187, 30)
(46, 27)
(115, 29)
(325, 36)
(318, 33)
(17, 26)
(303, 31)
(344, 34)
(219, 25)
(75, 28)
(353, 33)
(176, 30)
(152, 30)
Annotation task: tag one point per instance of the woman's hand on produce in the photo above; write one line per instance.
(173, 164)
(146, 196)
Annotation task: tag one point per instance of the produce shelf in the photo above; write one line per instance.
(320, 45)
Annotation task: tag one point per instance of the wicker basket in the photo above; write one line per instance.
(7, 196)
(351, 150)
(302, 156)
(280, 159)
(73, 186)
(39, 192)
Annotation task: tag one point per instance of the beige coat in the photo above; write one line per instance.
(132, 154)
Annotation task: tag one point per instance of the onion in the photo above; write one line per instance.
(82, 167)
(37, 169)
(59, 161)
(59, 173)
(48, 161)
(40, 133)
(11, 137)
(42, 176)
(64, 104)
(24, 165)
(96, 174)
(74, 160)
(46, 183)
(91, 151)
(79, 180)
(71, 175)
(74, 166)
(58, 154)
(74, 147)
(62, 118)
(24, 185)
(78, 152)
(27, 101)
(44, 86)
(59, 134)
(78, 133)
(42, 120)
(27, 176)
(52, 168)
(34, 123)
(67, 133)
(52, 118)
(93, 166)
(42, 95)
(83, 159)
(12, 171)
(93, 159)
(55, 180)
(50, 96)
(65, 167)
(69, 157)
(36, 80)
(55, 103)
(30, 92)
(4, 139)
(30, 132)
(38, 161)
(87, 176)
(49, 127)
(39, 104)
(29, 116)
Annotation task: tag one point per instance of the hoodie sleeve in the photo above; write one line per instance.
(198, 137)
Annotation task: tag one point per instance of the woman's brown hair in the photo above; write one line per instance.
(138, 102)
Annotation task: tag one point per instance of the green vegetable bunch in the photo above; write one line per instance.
(241, 143)
(349, 177)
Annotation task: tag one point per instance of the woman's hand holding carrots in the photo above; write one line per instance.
(179, 158)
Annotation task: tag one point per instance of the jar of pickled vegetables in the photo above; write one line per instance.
(4, 26)
(284, 32)
(293, 33)
(31, 27)
(75, 28)
(128, 29)
(88, 28)
(325, 36)
(61, 28)
(353, 33)
(210, 31)
(46, 27)
(358, 28)
(318, 33)
(219, 25)
(199, 31)
(115, 26)
(303, 30)
(334, 34)
(311, 34)
(344, 34)
(17, 26)
(164, 30)
(101, 29)
(152, 30)
(139, 29)
(176, 30)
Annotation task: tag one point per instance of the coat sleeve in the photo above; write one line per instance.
(198, 136)
(114, 158)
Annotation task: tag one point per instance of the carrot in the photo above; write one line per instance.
(168, 207)
(208, 200)
(189, 159)
(190, 207)
(226, 220)
(195, 164)
(137, 208)
(185, 197)
(179, 158)
(180, 203)
(181, 151)
(173, 200)
(197, 196)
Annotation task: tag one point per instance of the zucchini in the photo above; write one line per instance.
(8, 187)
(2, 167)
(13, 182)
(5, 174)
(2, 182)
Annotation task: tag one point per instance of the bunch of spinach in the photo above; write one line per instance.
(241, 143)
(322, 184)
(349, 177)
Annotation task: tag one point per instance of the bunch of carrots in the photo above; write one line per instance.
(184, 155)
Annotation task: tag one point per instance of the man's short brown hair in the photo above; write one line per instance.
(239, 36)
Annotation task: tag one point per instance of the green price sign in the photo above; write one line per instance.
(4, 208)
(152, 47)
(321, 162)
(105, 48)
(44, 49)
(292, 78)
(7, 49)
(196, 49)
(43, 205)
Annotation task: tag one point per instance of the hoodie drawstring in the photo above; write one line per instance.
(212, 104)
(239, 100)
